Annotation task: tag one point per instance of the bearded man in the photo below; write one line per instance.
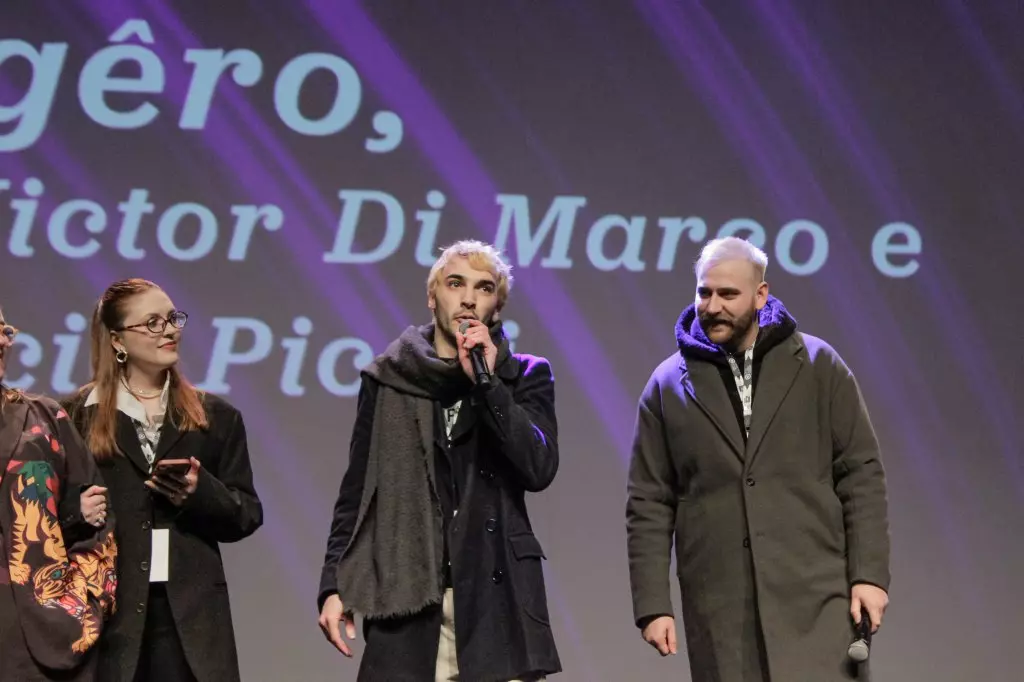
(753, 448)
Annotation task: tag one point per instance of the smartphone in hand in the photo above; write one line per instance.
(172, 466)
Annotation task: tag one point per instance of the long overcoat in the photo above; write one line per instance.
(771, 531)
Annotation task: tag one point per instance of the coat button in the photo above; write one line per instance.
(146, 525)
(141, 607)
(746, 542)
(750, 482)
(497, 576)
(491, 525)
(144, 566)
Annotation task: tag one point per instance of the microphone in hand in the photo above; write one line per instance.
(476, 358)
(860, 649)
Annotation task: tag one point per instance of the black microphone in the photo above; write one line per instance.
(476, 357)
(861, 647)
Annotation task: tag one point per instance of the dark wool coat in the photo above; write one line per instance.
(224, 508)
(504, 443)
(772, 531)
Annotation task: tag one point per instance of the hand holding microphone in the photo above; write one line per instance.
(477, 352)
(860, 649)
(867, 606)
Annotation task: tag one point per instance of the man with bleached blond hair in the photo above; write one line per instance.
(431, 541)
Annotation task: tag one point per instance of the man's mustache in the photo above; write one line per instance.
(711, 321)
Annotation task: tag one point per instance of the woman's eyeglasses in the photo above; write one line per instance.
(157, 325)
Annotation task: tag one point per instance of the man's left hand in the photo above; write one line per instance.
(477, 335)
(869, 597)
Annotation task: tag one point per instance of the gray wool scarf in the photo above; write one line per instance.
(392, 565)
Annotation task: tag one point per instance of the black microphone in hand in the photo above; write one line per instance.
(476, 357)
(861, 647)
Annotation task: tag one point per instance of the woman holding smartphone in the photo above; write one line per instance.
(176, 465)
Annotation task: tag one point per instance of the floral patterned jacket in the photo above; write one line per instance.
(60, 572)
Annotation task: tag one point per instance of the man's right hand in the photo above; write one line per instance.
(661, 634)
(332, 616)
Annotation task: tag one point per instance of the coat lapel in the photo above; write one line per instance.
(508, 369)
(465, 421)
(704, 384)
(128, 440)
(15, 414)
(169, 437)
(779, 370)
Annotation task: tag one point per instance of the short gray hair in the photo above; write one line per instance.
(731, 248)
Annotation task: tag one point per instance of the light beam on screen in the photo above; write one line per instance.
(812, 63)
(441, 144)
(62, 165)
(251, 174)
(170, 79)
(257, 175)
(613, 66)
(779, 163)
(877, 169)
(1003, 84)
(628, 283)
(781, 170)
(99, 274)
(1010, 94)
(348, 25)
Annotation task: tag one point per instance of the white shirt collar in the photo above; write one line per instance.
(129, 404)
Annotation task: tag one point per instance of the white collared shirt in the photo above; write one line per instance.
(147, 428)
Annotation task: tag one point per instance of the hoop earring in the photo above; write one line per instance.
(121, 356)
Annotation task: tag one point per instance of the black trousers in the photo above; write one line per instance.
(162, 658)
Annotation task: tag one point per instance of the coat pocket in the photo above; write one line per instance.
(526, 546)
(528, 577)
